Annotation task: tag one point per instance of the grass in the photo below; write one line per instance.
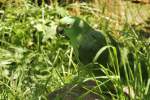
(35, 62)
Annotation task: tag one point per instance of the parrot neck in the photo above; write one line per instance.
(87, 29)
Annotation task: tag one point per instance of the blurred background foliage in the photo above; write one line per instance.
(34, 61)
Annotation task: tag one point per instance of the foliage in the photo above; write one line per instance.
(35, 62)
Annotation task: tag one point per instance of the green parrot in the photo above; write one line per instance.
(85, 40)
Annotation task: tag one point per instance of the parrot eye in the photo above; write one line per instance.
(68, 25)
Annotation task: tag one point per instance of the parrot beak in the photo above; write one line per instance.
(60, 30)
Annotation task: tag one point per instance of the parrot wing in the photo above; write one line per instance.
(89, 45)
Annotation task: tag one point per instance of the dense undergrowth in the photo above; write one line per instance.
(34, 61)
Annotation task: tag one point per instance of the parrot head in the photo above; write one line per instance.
(71, 26)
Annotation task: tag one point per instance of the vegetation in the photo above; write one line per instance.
(34, 61)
